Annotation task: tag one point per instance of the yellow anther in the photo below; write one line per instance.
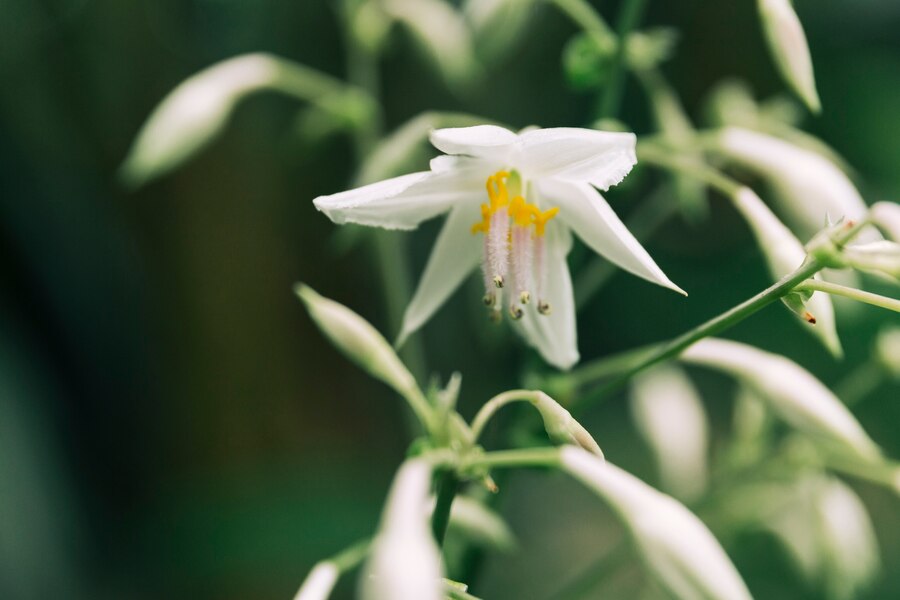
(542, 218)
(521, 212)
(496, 189)
(485, 225)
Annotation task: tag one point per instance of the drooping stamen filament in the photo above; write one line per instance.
(514, 254)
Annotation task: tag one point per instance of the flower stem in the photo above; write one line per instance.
(852, 293)
(506, 459)
(611, 100)
(496, 403)
(588, 19)
(447, 487)
(670, 349)
(649, 152)
(348, 558)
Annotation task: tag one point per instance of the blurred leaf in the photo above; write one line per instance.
(442, 32)
(792, 392)
(197, 111)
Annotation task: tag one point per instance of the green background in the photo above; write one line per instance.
(172, 425)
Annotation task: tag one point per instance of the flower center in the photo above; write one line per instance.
(512, 249)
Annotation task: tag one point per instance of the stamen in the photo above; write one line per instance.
(510, 248)
(539, 274)
(498, 245)
(520, 248)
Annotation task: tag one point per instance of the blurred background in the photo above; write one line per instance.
(172, 425)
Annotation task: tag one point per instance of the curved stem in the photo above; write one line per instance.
(588, 19)
(496, 403)
(447, 487)
(852, 293)
(508, 459)
(714, 326)
(629, 16)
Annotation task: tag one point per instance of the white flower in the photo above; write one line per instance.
(887, 216)
(670, 416)
(677, 548)
(811, 190)
(319, 582)
(405, 562)
(540, 184)
(787, 43)
(791, 391)
(784, 253)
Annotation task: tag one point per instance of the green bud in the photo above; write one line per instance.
(561, 427)
(787, 44)
(357, 339)
(887, 350)
(586, 62)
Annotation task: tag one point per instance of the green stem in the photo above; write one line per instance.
(712, 327)
(507, 459)
(650, 152)
(446, 492)
(390, 251)
(629, 17)
(642, 223)
(349, 558)
(588, 19)
(852, 293)
(496, 403)
(717, 324)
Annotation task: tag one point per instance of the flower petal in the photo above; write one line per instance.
(483, 141)
(402, 202)
(554, 335)
(601, 158)
(811, 190)
(584, 210)
(792, 392)
(455, 254)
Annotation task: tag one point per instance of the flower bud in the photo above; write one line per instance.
(881, 257)
(809, 188)
(791, 391)
(670, 416)
(481, 525)
(441, 33)
(193, 114)
(676, 547)
(887, 350)
(357, 339)
(319, 582)
(784, 253)
(562, 427)
(887, 216)
(787, 44)
(405, 562)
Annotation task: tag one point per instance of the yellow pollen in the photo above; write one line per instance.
(522, 213)
(485, 225)
(542, 218)
(496, 190)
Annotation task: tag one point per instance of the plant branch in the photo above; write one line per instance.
(852, 293)
(611, 100)
(496, 403)
(712, 327)
(447, 487)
